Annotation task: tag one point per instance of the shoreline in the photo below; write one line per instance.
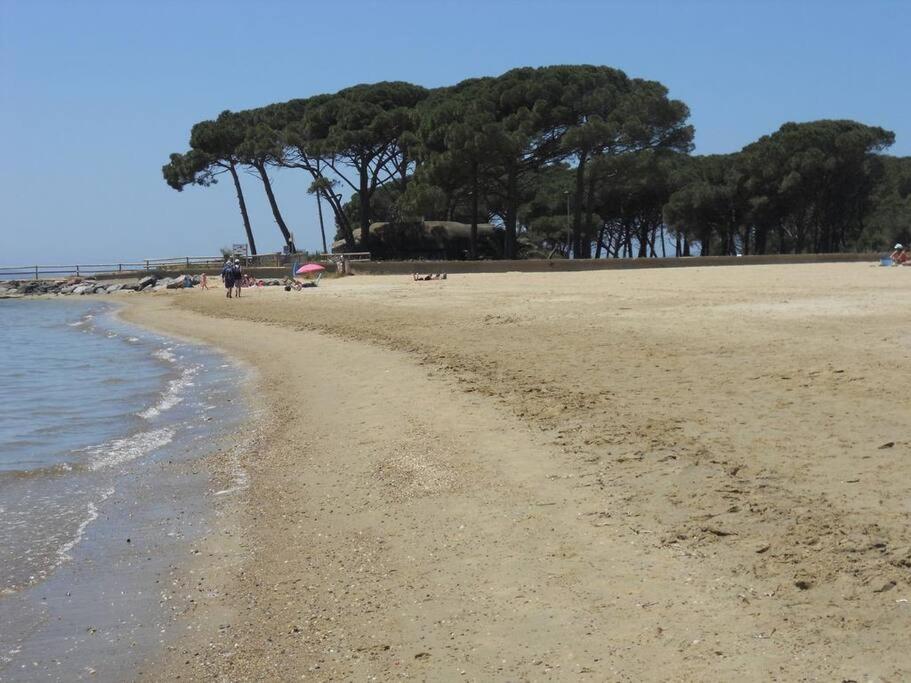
(197, 586)
(425, 505)
(103, 610)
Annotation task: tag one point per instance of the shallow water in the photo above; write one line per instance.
(100, 423)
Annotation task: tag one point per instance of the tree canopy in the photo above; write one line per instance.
(567, 160)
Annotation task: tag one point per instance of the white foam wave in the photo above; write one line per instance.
(166, 354)
(171, 396)
(119, 451)
(133, 340)
(63, 553)
(82, 321)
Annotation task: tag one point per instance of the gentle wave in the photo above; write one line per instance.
(87, 318)
(71, 439)
(119, 451)
(172, 395)
(57, 470)
(63, 552)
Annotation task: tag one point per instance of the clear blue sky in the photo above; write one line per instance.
(94, 95)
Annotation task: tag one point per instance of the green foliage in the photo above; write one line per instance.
(888, 219)
(814, 182)
(708, 201)
(566, 159)
(806, 187)
(191, 168)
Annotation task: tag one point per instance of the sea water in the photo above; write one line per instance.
(100, 423)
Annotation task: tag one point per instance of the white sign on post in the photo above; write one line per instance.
(239, 249)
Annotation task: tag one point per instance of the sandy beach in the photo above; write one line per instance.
(675, 474)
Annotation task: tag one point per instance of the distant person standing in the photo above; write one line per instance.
(203, 281)
(238, 276)
(227, 276)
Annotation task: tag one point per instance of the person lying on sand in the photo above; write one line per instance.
(429, 276)
(298, 285)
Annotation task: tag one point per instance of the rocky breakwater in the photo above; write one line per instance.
(17, 288)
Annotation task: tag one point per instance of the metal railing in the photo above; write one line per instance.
(50, 272)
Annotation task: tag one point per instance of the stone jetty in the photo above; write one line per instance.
(81, 286)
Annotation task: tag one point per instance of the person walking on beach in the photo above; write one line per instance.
(238, 276)
(203, 281)
(227, 276)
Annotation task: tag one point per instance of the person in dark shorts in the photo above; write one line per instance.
(227, 276)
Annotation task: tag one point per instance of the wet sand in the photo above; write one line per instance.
(695, 474)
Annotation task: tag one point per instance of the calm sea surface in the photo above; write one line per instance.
(92, 413)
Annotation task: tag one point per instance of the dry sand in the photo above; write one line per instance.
(687, 474)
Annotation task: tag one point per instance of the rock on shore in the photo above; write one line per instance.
(79, 286)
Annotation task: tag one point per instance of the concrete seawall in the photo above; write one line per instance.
(563, 265)
(523, 266)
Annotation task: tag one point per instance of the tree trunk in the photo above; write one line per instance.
(322, 227)
(473, 245)
(600, 244)
(760, 242)
(579, 198)
(587, 231)
(364, 197)
(343, 225)
(706, 241)
(243, 208)
(512, 189)
(261, 167)
(403, 172)
(643, 240)
(341, 219)
(616, 242)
